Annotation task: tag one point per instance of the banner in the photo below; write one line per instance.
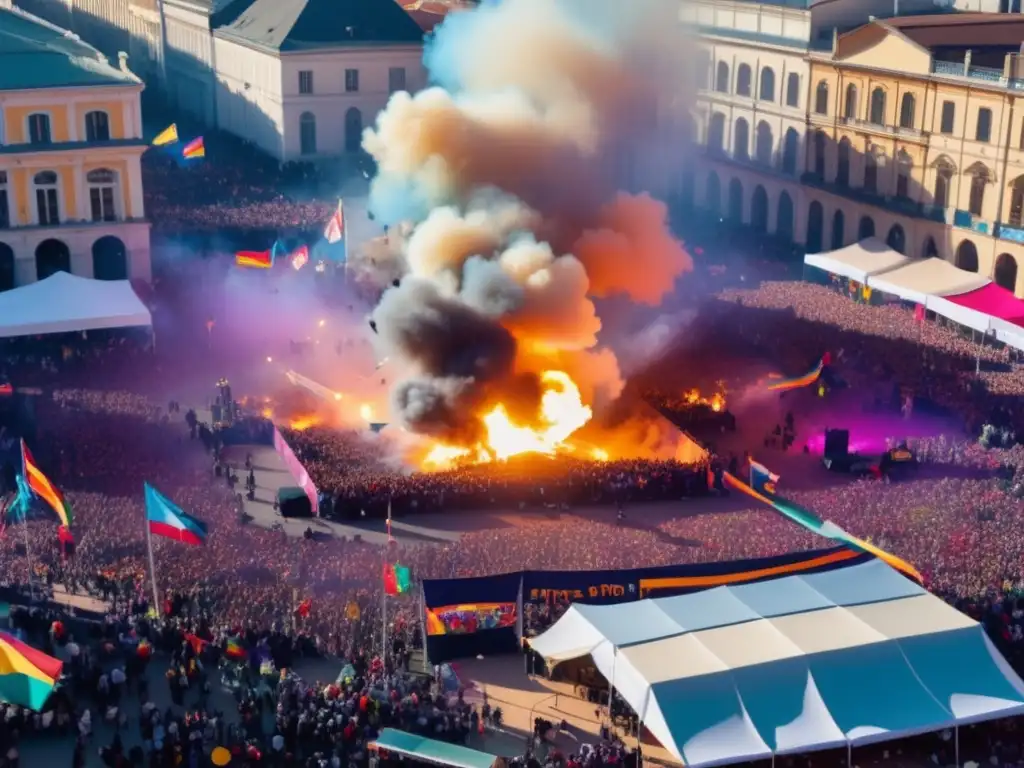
(296, 470)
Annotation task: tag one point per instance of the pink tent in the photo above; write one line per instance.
(992, 300)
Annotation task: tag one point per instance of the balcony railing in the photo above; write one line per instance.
(967, 220)
(1006, 232)
(988, 74)
(899, 205)
(892, 130)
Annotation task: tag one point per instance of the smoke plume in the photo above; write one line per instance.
(507, 171)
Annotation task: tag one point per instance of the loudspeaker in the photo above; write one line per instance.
(837, 442)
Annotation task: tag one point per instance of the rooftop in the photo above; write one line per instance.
(962, 30)
(307, 25)
(37, 54)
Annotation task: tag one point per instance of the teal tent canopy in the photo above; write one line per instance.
(435, 752)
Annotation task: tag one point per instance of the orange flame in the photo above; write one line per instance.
(562, 412)
(716, 402)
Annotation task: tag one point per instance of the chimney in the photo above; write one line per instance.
(122, 61)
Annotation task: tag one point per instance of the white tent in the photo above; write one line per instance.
(64, 303)
(868, 257)
(919, 280)
(839, 658)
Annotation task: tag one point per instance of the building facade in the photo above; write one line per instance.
(70, 148)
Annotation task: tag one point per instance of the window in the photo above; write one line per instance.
(743, 80)
(977, 200)
(983, 132)
(306, 81)
(97, 126)
(877, 113)
(948, 117)
(716, 132)
(821, 98)
(741, 140)
(908, 108)
(904, 165)
(102, 194)
(819, 154)
(39, 128)
(47, 208)
(351, 80)
(396, 79)
(5, 203)
(843, 164)
(767, 92)
(307, 133)
(722, 77)
(793, 90)
(790, 148)
(870, 171)
(764, 144)
(943, 180)
(850, 106)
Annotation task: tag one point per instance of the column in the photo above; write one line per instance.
(83, 211)
(73, 134)
(134, 205)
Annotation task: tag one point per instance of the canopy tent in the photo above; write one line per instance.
(435, 752)
(917, 280)
(868, 257)
(981, 308)
(64, 303)
(845, 657)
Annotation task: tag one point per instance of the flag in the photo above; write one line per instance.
(299, 257)
(761, 478)
(27, 676)
(390, 538)
(335, 229)
(352, 612)
(168, 135)
(305, 607)
(234, 649)
(783, 385)
(165, 518)
(197, 643)
(194, 149)
(255, 259)
(377, 426)
(397, 579)
(41, 486)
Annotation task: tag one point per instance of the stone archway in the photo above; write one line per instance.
(967, 256)
(109, 259)
(6, 267)
(1006, 272)
(897, 239)
(784, 217)
(759, 210)
(866, 228)
(815, 228)
(736, 201)
(52, 256)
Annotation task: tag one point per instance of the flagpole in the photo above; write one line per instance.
(152, 569)
(28, 559)
(384, 629)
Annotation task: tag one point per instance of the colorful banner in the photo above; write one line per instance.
(296, 470)
(468, 618)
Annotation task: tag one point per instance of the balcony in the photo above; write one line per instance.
(967, 220)
(1006, 232)
(987, 74)
(889, 130)
(898, 205)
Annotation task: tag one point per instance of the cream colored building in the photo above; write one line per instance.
(70, 149)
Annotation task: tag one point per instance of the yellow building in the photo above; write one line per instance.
(916, 135)
(70, 149)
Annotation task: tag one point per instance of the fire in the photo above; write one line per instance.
(562, 412)
(366, 412)
(300, 423)
(716, 402)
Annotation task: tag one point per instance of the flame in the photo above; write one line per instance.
(716, 402)
(366, 412)
(599, 454)
(562, 412)
(300, 423)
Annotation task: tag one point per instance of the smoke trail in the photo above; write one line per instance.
(506, 170)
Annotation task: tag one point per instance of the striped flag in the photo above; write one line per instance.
(41, 486)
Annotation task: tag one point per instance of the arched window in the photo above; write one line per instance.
(976, 203)
(103, 195)
(52, 256)
(908, 109)
(97, 126)
(767, 84)
(307, 133)
(904, 168)
(759, 210)
(736, 201)
(722, 77)
(821, 98)
(716, 132)
(5, 202)
(741, 140)
(967, 256)
(39, 128)
(870, 171)
(866, 228)
(743, 78)
(819, 154)
(1006, 272)
(793, 90)
(764, 143)
(790, 151)
(943, 181)
(109, 259)
(784, 217)
(850, 106)
(929, 250)
(877, 112)
(46, 184)
(897, 239)
(353, 130)
(838, 229)
(843, 163)
(815, 228)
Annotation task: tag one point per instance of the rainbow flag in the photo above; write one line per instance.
(234, 649)
(41, 486)
(255, 259)
(168, 135)
(27, 676)
(784, 385)
(194, 149)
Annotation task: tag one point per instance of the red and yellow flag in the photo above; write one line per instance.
(43, 488)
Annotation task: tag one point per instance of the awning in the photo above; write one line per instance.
(435, 752)
(868, 257)
(918, 280)
(980, 308)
